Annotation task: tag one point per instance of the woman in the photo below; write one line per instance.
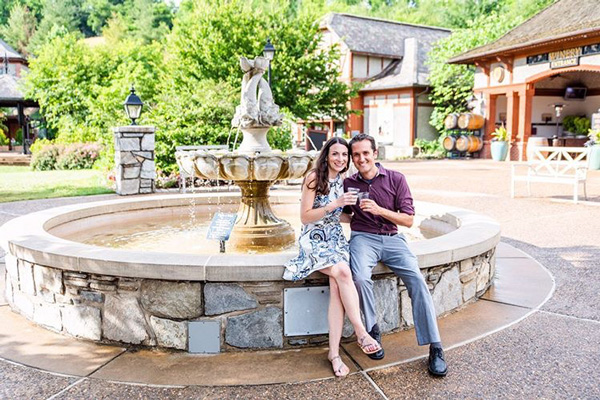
(324, 248)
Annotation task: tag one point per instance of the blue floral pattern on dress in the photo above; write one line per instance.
(322, 243)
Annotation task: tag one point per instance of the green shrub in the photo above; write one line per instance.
(280, 137)
(568, 123)
(429, 148)
(78, 156)
(39, 144)
(48, 156)
(575, 124)
(19, 137)
(3, 139)
(582, 125)
(45, 157)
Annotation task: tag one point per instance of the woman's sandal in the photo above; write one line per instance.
(368, 348)
(339, 372)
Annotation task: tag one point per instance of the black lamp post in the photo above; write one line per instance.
(133, 106)
(269, 53)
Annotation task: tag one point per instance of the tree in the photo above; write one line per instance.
(452, 84)
(19, 28)
(58, 16)
(81, 89)
(208, 40)
(148, 20)
(200, 86)
(6, 6)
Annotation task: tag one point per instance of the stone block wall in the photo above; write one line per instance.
(134, 159)
(148, 312)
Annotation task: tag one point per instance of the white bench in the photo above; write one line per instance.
(188, 171)
(566, 165)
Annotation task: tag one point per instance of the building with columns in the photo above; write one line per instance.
(548, 65)
(388, 58)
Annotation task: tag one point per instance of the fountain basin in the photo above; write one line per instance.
(242, 166)
(152, 298)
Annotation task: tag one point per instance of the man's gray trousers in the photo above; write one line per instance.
(366, 249)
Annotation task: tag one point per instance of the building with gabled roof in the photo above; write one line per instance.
(388, 57)
(548, 65)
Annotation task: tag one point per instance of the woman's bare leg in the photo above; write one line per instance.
(342, 276)
(335, 319)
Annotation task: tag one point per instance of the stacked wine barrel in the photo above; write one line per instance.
(465, 134)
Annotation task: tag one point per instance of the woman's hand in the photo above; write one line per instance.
(347, 199)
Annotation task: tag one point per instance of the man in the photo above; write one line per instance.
(375, 238)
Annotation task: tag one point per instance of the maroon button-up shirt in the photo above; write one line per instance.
(388, 189)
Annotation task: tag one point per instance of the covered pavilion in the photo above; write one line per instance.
(537, 74)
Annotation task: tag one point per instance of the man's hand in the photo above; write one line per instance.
(370, 206)
(394, 217)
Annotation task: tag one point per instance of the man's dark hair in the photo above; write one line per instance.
(363, 136)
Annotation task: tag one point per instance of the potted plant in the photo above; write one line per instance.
(500, 144)
(594, 144)
(582, 126)
(569, 126)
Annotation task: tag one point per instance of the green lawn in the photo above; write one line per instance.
(21, 183)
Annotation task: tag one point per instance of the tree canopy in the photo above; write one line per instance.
(184, 60)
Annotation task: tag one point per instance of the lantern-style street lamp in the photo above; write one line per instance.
(269, 54)
(133, 106)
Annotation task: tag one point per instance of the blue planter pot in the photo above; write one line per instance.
(595, 157)
(499, 151)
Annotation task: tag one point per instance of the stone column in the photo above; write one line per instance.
(134, 159)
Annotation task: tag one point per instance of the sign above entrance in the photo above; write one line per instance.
(564, 58)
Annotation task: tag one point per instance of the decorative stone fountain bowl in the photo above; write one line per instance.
(160, 299)
(257, 227)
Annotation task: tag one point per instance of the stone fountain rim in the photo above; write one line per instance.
(27, 238)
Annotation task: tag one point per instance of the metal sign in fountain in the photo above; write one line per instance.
(254, 166)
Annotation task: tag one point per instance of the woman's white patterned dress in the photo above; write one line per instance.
(322, 243)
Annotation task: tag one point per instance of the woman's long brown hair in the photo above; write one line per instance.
(321, 182)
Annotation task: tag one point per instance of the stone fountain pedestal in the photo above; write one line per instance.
(257, 228)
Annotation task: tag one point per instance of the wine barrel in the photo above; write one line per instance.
(449, 143)
(470, 121)
(451, 121)
(469, 143)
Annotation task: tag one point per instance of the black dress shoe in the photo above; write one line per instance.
(376, 334)
(437, 365)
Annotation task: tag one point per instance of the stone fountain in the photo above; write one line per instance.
(254, 166)
(211, 303)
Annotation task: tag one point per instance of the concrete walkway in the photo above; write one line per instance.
(550, 352)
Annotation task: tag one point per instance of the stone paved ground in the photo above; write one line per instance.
(555, 353)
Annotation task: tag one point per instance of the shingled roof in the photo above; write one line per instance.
(9, 91)
(11, 53)
(562, 21)
(373, 36)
